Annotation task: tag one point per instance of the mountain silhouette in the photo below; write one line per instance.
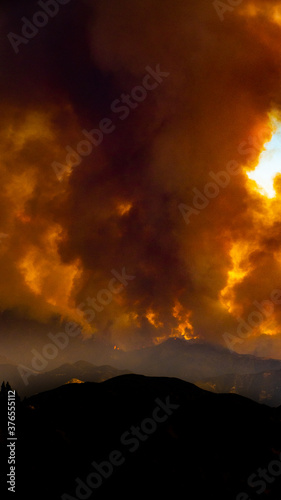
(39, 382)
(264, 387)
(207, 446)
(191, 360)
(209, 366)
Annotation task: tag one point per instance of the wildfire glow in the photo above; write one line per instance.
(239, 270)
(252, 10)
(269, 164)
(19, 189)
(45, 274)
(36, 125)
(31, 273)
(124, 208)
(196, 270)
(184, 328)
(152, 318)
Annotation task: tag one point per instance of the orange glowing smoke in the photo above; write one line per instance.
(239, 270)
(119, 207)
(124, 208)
(46, 275)
(248, 254)
(184, 327)
(153, 320)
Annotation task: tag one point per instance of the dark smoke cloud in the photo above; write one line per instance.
(119, 207)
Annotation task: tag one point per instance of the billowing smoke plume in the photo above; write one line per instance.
(179, 95)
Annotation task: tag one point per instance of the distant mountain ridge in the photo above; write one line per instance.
(212, 367)
(191, 360)
(39, 382)
(264, 387)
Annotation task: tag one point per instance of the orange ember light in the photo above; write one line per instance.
(269, 163)
(184, 328)
(124, 208)
(239, 271)
(152, 318)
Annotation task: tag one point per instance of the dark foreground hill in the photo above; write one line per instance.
(133, 435)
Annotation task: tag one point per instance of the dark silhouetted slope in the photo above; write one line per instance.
(206, 448)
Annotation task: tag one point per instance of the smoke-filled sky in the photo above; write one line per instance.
(183, 96)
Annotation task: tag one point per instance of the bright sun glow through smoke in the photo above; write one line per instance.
(269, 164)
